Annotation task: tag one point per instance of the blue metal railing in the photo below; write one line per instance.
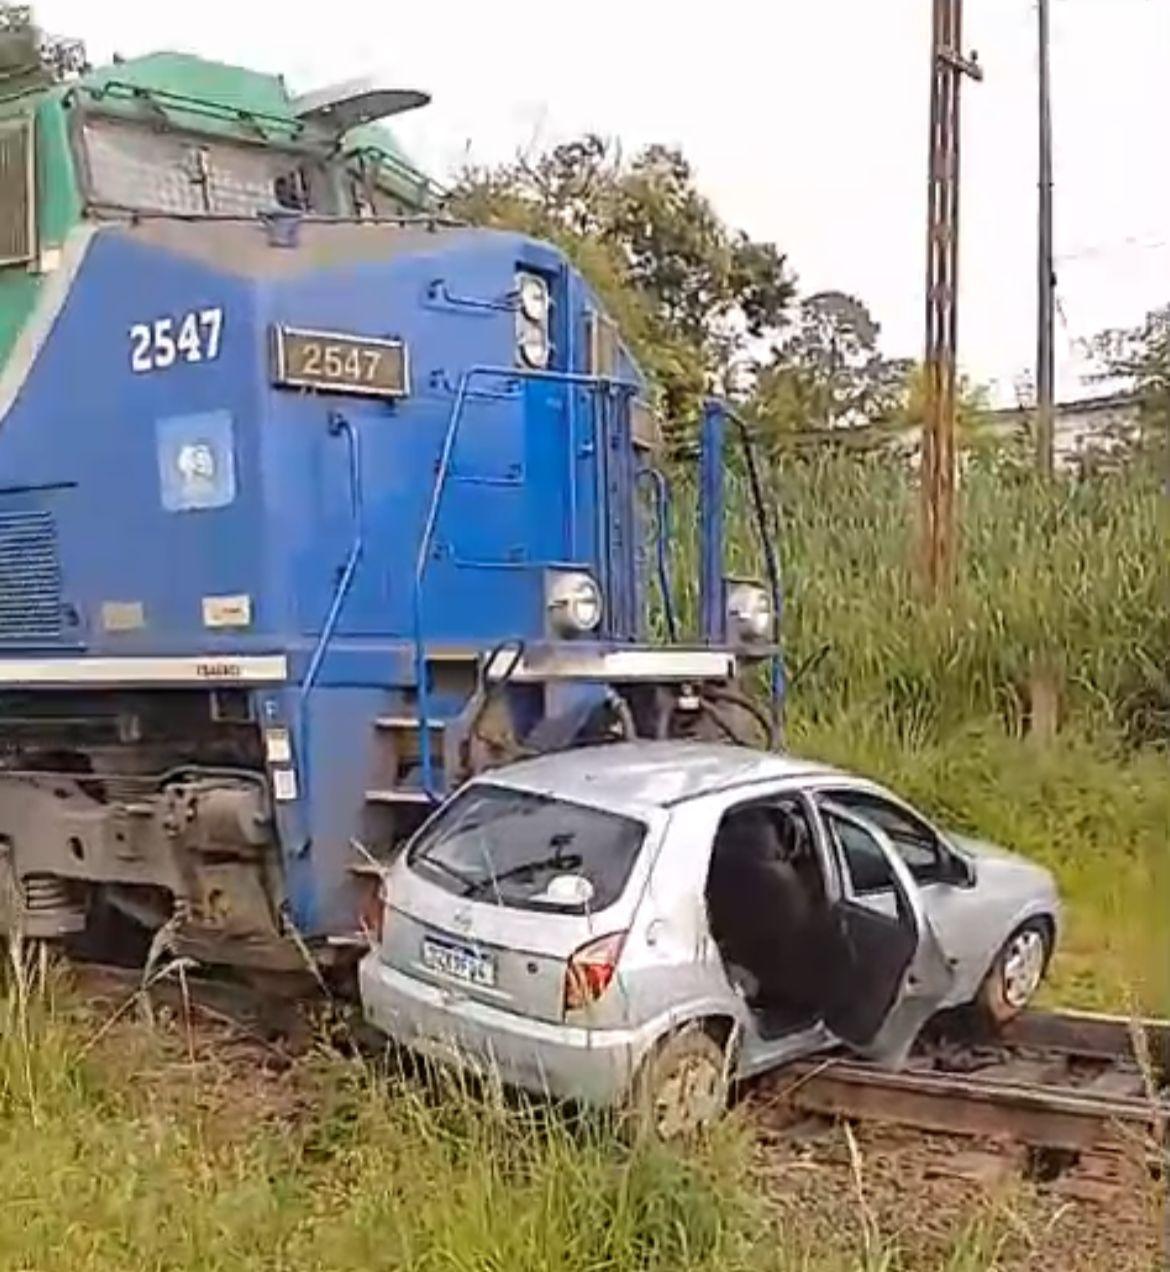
(712, 496)
(426, 542)
(615, 502)
(712, 520)
(663, 532)
(338, 426)
(439, 294)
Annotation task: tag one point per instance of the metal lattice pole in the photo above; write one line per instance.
(948, 67)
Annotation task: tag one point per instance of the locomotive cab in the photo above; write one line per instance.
(313, 503)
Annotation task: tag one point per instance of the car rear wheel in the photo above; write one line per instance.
(682, 1089)
(1016, 974)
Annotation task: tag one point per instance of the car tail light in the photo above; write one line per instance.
(591, 969)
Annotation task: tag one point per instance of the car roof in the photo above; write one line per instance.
(638, 776)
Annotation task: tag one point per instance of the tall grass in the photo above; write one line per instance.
(1074, 577)
(143, 1151)
(131, 1154)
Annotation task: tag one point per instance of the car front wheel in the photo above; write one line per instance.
(1016, 974)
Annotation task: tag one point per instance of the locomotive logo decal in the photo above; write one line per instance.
(196, 461)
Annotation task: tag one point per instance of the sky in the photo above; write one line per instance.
(805, 121)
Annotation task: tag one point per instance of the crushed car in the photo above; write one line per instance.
(639, 925)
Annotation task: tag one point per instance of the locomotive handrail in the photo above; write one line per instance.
(339, 425)
(438, 293)
(661, 487)
(777, 680)
(122, 91)
(426, 542)
(422, 220)
(716, 415)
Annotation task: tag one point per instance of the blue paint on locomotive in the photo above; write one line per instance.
(86, 427)
(202, 480)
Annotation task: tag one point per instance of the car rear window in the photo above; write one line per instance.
(527, 851)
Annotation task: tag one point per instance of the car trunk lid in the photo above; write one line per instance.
(504, 886)
(486, 952)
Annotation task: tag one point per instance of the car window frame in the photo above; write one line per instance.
(831, 788)
(851, 888)
(929, 975)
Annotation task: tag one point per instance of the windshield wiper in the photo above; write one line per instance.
(441, 866)
(573, 862)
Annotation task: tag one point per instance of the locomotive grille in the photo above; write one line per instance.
(30, 577)
(17, 234)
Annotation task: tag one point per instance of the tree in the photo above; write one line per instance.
(1139, 357)
(715, 285)
(827, 371)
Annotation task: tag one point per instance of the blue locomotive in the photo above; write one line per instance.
(312, 503)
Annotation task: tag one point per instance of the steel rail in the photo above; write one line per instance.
(1106, 1111)
(1092, 1035)
(953, 1104)
(1061, 1080)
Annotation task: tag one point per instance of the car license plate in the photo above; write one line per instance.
(459, 961)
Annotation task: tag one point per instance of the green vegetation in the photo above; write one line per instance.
(211, 1156)
(1065, 586)
(1075, 576)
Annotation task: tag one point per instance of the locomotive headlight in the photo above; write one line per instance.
(574, 602)
(749, 612)
(533, 343)
(532, 291)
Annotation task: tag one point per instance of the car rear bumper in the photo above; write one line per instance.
(594, 1066)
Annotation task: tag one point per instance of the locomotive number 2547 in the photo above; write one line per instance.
(195, 336)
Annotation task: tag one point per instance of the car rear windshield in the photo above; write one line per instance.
(528, 851)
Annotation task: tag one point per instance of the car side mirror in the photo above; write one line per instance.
(957, 870)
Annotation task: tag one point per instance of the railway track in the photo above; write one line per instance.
(1069, 1082)
(1061, 1081)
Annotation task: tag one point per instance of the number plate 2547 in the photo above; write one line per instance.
(333, 362)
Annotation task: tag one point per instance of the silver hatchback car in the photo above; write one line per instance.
(644, 922)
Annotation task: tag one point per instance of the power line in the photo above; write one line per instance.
(1132, 244)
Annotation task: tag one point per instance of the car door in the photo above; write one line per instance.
(892, 974)
(944, 882)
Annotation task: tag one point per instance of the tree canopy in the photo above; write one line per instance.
(1140, 358)
(827, 370)
(704, 306)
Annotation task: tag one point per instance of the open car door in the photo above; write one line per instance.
(892, 973)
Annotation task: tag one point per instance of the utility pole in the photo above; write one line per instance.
(1046, 296)
(948, 67)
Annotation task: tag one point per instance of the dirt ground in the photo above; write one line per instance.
(928, 1202)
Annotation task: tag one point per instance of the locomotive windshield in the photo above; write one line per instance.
(133, 166)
